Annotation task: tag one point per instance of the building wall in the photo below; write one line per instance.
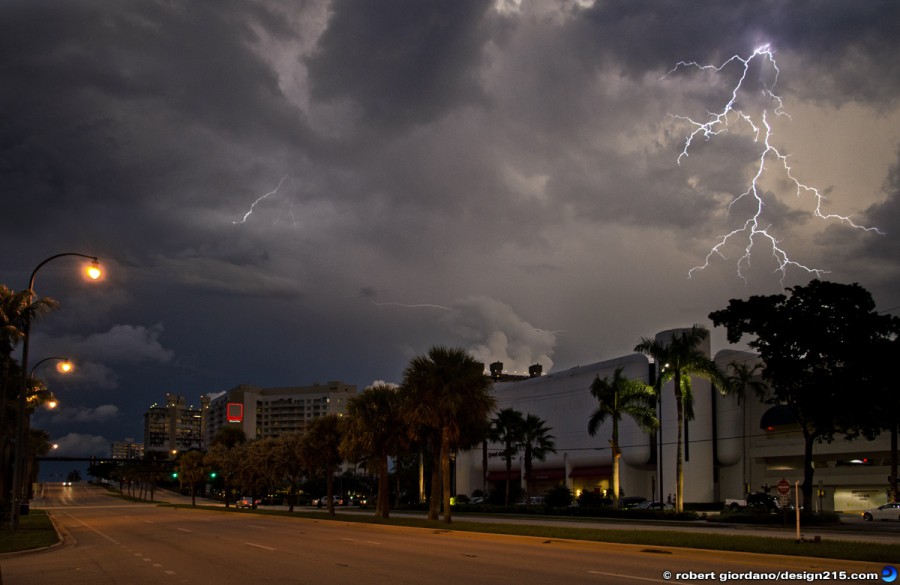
(727, 453)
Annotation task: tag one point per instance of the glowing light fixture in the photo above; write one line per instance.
(93, 270)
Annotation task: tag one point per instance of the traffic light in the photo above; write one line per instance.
(174, 475)
(212, 475)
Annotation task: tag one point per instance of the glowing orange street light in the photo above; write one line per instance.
(93, 270)
(65, 366)
(18, 495)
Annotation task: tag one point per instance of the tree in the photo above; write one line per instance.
(621, 396)
(818, 346)
(682, 359)
(17, 311)
(191, 471)
(374, 430)
(741, 379)
(537, 443)
(289, 461)
(321, 450)
(884, 393)
(446, 390)
(506, 429)
(224, 456)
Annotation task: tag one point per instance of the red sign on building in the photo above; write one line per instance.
(234, 412)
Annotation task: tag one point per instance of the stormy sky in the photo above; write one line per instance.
(285, 192)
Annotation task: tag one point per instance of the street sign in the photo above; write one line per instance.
(784, 488)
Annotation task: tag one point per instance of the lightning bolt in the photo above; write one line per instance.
(718, 123)
(260, 198)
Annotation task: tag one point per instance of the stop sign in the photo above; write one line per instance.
(784, 488)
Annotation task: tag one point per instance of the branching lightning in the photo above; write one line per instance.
(718, 123)
(260, 198)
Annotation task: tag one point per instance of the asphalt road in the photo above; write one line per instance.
(113, 542)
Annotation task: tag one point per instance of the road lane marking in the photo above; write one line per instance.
(362, 541)
(259, 546)
(88, 526)
(184, 530)
(633, 578)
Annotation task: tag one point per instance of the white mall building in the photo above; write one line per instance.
(730, 447)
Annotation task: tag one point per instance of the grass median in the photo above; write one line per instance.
(35, 531)
(686, 538)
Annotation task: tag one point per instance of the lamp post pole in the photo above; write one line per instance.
(21, 412)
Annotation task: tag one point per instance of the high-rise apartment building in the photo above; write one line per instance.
(175, 426)
(126, 449)
(269, 412)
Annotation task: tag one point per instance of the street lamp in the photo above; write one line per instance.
(63, 366)
(93, 272)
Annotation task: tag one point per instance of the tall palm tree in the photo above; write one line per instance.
(446, 389)
(741, 378)
(506, 429)
(616, 397)
(321, 450)
(537, 443)
(17, 310)
(682, 359)
(374, 431)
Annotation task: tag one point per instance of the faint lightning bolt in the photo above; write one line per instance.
(762, 131)
(260, 198)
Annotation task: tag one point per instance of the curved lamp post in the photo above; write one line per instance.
(65, 366)
(93, 272)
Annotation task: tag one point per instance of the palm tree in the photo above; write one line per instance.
(321, 450)
(682, 359)
(374, 430)
(617, 397)
(506, 429)
(537, 443)
(741, 378)
(447, 390)
(17, 310)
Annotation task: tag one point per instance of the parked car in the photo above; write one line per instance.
(889, 511)
(631, 502)
(323, 501)
(654, 506)
(760, 501)
(246, 502)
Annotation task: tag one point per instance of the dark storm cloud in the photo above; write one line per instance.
(846, 48)
(400, 61)
(285, 192)
(109, 106)
(886, 215)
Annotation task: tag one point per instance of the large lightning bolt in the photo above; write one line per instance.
(258, 199)
(717, 124)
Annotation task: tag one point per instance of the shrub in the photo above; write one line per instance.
(559, 497)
